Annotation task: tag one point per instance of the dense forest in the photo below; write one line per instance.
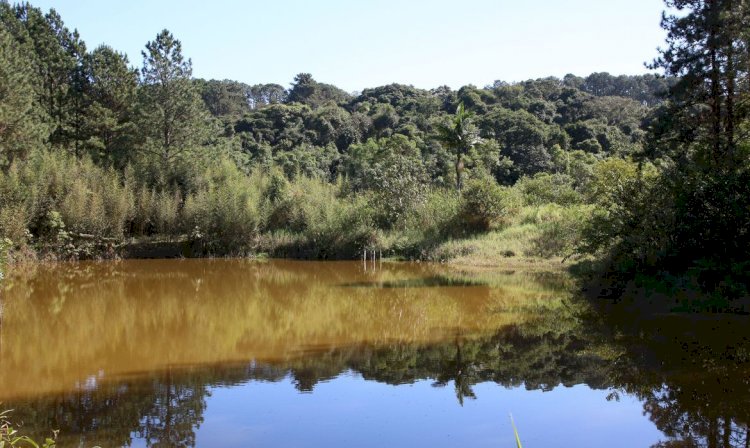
(647, 173)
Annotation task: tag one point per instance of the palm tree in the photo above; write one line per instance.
(459, 137)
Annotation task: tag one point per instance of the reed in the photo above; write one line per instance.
(515, 432)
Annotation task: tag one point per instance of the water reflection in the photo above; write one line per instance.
(693, 376)
(76, 321)
(112, 354)
(166, 408)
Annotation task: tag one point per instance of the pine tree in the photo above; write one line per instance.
(705, 191)
(708, 50)
(172, 113)
(20, 129)
(56, 55)
(111, 93)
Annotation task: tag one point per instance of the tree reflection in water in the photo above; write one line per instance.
(692, 376)
(695, 395)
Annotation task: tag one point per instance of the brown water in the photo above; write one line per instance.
(284, 353)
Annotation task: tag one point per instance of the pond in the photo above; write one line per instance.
(288, 353)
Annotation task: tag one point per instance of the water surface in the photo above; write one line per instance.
(284, 353)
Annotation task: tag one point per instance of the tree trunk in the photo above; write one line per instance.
(727, 432)
(730, 76)
(712, 438)
(715, 77)
(459, 171)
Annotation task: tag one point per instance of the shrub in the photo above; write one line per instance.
(225, 209)
(14, 223)
(96, 202)
(484, 204)
(630, 211)
(335, 227)
(10, 436)
(393, 171)
(547, 188)
(89, 199)
(156, 212)
(5, 246)
(560, 229)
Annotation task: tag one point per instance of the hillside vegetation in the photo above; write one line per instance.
(647, 173)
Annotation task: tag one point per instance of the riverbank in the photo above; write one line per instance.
(538, 237)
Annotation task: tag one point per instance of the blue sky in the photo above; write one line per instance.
(356, 44)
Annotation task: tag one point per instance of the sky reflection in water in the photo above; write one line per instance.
(237, 353)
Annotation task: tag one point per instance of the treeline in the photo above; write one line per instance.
(684, 224)
(94, 149)
(649, 170)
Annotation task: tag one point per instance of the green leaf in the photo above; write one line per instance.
(515, 432)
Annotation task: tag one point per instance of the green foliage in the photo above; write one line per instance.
(11, 437)
(317, 221)
(225, 99)
(687, 219)
(579, 165)
(225, 209)
(155, 212)
(460, 135)
(624, 194)
(55, 55)
(92, 150)
(307, 160)
(172, 115)
(13, 223)
(559, 231)
(391, 168)
(484, 204)
(20, 127)
(545, 188)
(109, 130)
(308, 91)
(89, 199)
(433, 221)
(5, 246)
(523, 138)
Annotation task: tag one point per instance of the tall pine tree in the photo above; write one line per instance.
(111, 92)
(20, 128)
(172, 113)
(707, 48)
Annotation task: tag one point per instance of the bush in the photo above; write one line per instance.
(14, 223)
(10, 436)
(547, 188)
(437, 214)
(96, 202)
(484, 204)
(391, 169)
(156, 212)
(89, 199)
(428, 224)
(630, 211)
(560, 229)
(224, 209)
(334, 226)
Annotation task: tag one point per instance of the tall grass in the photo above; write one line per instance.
(53, 199)
(225, 210)
(89, 199)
